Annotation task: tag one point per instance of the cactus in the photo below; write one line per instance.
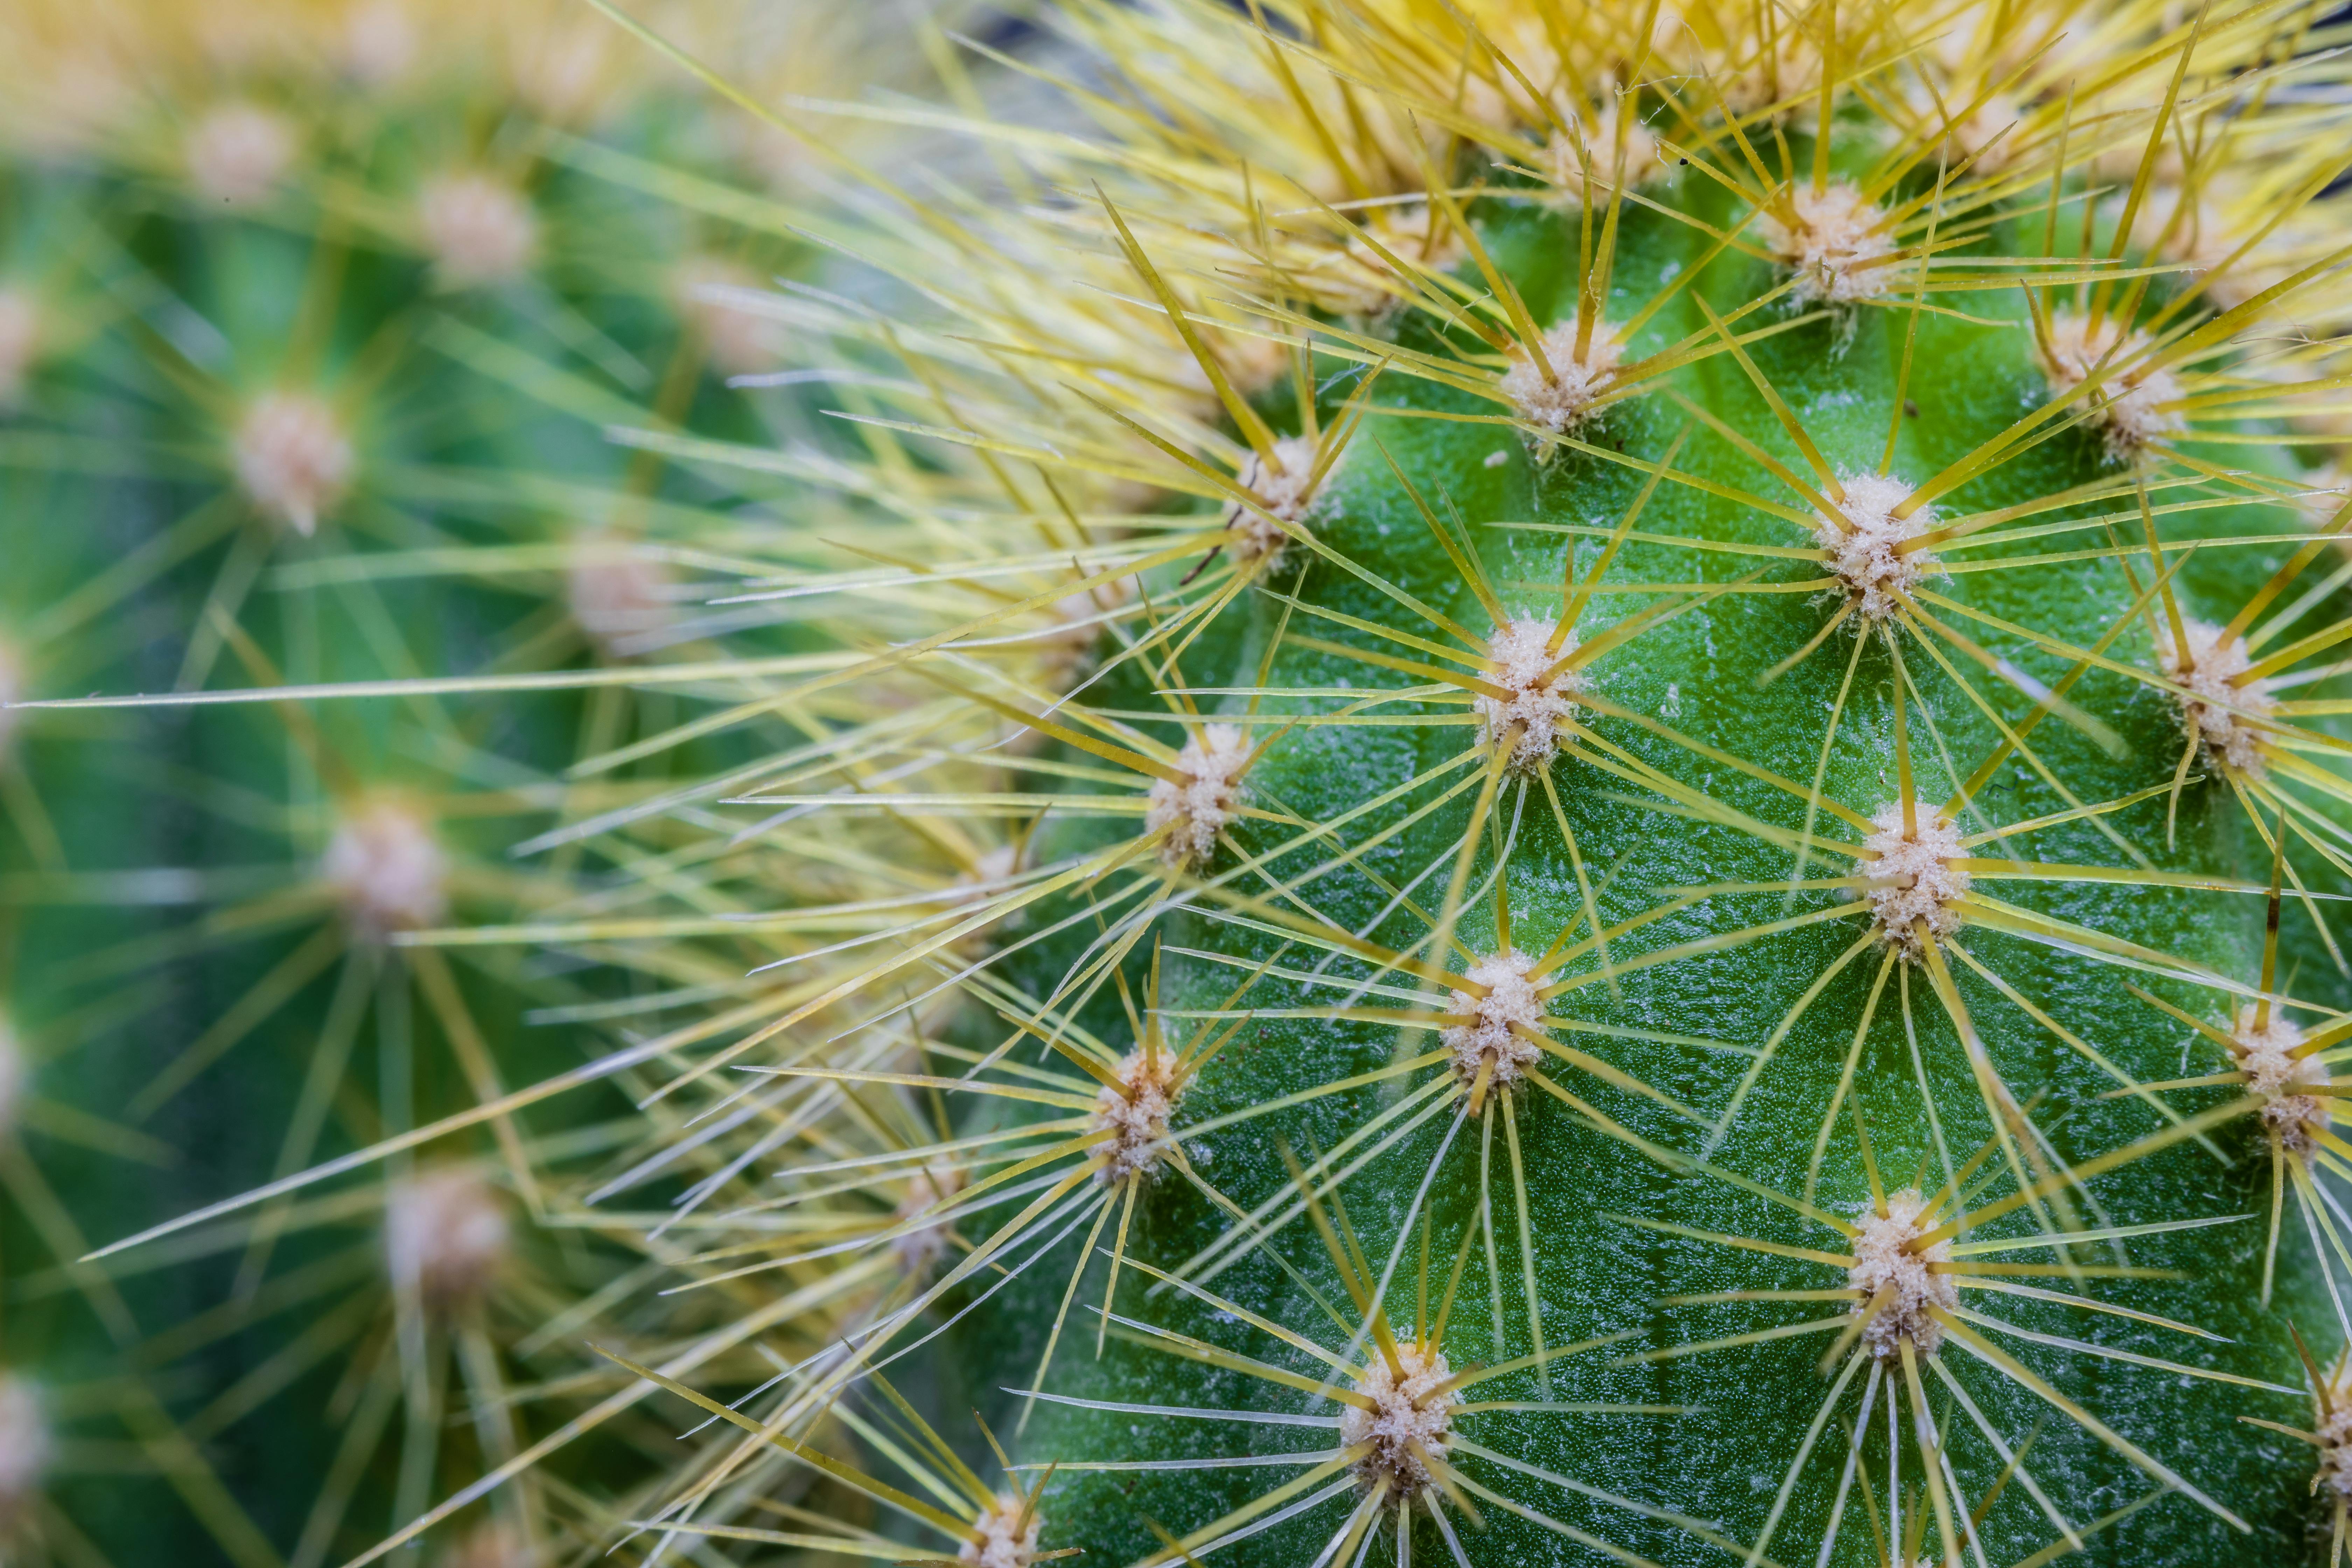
(1537, 782)
(1584, 810)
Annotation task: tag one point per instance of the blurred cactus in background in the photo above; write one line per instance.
(310, 316)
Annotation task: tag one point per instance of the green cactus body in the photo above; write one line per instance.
(1747, 1029)
(1693, 983)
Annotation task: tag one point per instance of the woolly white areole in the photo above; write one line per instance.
(1884, 1260)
